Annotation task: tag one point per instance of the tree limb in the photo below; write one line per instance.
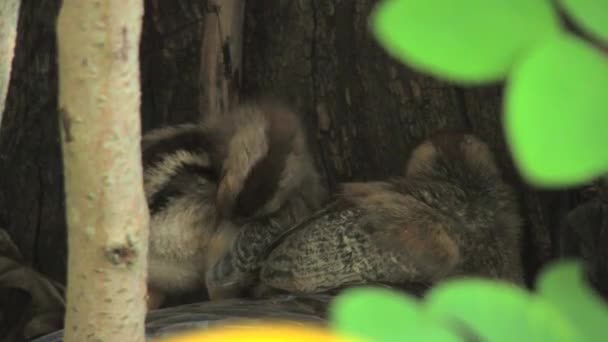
(107, 216)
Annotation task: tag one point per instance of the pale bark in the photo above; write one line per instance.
(221, 56)
(99, 100)
(9, 12)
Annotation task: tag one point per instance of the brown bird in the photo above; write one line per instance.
(452, 214)
(203, 183)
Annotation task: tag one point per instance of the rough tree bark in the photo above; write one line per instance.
(221, 56)
(31, 182)
(107, 216)
(9, 12)
(170, 61)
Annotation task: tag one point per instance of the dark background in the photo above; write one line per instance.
(364, 111)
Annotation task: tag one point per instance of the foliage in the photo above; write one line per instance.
(590, 15)
(564, 309)
(382, 315)
(555, 111)
(565, 289)
(569, 145)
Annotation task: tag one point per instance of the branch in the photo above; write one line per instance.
(107, 216)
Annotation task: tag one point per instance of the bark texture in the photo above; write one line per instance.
(107, 216)
(170, 61)
(31, 183)
(221, 56)
(9, 12)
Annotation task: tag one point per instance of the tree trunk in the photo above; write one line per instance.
(221, 56)
(107, 216)
(9, 12)
(31, 182)
(170, 61)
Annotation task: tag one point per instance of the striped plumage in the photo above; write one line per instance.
(206, 182)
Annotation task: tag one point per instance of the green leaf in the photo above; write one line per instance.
(374, 314)
(382, 315)
(562, 284)
(430, 330)
(496, 311)
(590, 15)
(470, 41)
(557, 113)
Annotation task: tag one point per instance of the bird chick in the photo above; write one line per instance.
(451, 215)
(265, 162)
(204, 182)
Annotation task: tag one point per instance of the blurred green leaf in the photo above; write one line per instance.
(557, 113)
(375, 314)
(497, 311)
(429, 330)
(382, 315)
(590, 15)
(470, 41)
(562, 284)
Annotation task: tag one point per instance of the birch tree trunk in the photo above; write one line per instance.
(99, 100)
(9, 12)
